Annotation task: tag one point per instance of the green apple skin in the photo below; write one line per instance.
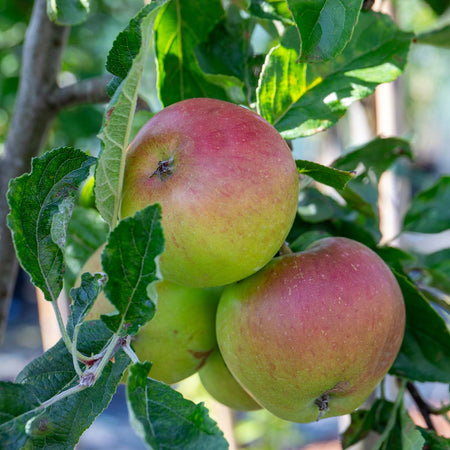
(181, 335)
(314, 332)
(227, 184)
(222, 386)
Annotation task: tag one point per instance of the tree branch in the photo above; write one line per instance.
(424, 408)
(86, 91)
(41, 61)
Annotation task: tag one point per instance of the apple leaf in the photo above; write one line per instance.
(180, 28)
(439, 261)
(86, 232)
(127, 59)
(425, 351)
(228, 51)
(377, 156)
(54, 180)
(26, 423)
(327, 175)
(434, 441)
(429, 211)
(377, 53)
(271, 10)
(83, 298)
(390, 420)
(164, 419)
(438, 6)
(325, 26)
(439, 37)
(130, 256)
(68, 12)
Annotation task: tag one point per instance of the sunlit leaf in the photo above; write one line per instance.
(180, 28)
(130, 49)
(377, 53)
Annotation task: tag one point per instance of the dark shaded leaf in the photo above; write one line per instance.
(429, 211)
(434, 441)
(83, 298)
(323, 174)
(425, 351)
(86, 232)
(377, 155)
(325, 26)
(129, 261)
(41, 204)
(439, 37)
(438, 6)
(272, 10)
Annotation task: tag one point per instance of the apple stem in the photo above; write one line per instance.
(285, 249)
(164, 169)
(322, 403)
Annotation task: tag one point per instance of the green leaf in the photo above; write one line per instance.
(281, 84)
(180, 28)
(439, 261)
(323, 174)
(228, 51)
(36, 200)
(434, 441)
(271, 10)
(377, 53)
(439, 37)
(86, 232)
(83, 298)
(429, 211)
(129, 261)
(390, 420)
(368, 163)
(25, 423)
(425, 351)
(325, 26)
(117, 127)
(439, 6)
(364, 421)
(68, 12)
(377, 156)
(164, 419)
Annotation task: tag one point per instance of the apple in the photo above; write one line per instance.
(181, 335)
(227, 184)
(313, 332)
(222, 386)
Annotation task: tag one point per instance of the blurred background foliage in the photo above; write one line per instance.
(424, 96)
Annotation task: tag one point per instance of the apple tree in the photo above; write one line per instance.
(299, 65)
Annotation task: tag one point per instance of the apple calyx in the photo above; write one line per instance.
(164, 169)
(322, 401)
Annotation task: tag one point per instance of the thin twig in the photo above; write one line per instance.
(424, 408)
